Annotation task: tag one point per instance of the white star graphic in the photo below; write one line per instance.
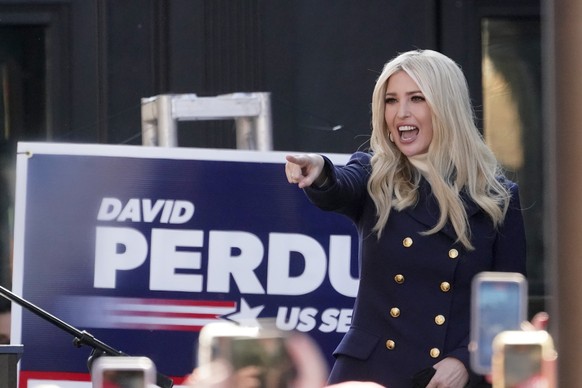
(246, 315)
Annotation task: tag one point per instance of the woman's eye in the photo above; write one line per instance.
(417, 98)
(390, 100)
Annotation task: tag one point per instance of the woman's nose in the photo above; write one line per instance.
(403, 110)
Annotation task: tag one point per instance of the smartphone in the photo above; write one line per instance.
(123, 372)
(261, 348)
(524, 359)
(499, 303)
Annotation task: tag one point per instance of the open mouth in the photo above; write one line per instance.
(408, 133)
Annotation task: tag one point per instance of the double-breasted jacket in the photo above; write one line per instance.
(413, 304)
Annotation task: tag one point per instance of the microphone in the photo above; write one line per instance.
(80, 337)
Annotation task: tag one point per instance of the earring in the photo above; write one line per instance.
(390, 137)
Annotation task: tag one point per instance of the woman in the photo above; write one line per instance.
(432, 209)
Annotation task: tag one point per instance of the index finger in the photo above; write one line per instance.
(296, 159)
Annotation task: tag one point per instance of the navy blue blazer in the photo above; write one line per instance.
(413, 304)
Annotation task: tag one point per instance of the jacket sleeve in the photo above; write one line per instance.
(346, 187)
(462, 354)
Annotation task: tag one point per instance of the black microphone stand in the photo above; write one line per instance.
(80, 337)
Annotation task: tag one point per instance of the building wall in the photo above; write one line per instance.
(318, 59)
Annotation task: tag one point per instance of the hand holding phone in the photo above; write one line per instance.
(257, 355)
(499, 303)
(524, 359)
(123, 372)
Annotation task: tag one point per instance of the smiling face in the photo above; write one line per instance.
(407, 115)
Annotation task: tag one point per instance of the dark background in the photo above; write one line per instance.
(318, 59)
(76, 71)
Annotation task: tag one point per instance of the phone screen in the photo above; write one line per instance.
(269, 354)
(500, 309)
(125, 378)
(522, 364)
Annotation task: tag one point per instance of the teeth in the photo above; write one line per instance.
(405, 128)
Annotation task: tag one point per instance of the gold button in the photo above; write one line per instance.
(390, 345)
(439, 319)
(453, 253)
(434, 352)
(445, 286)
(395, 312)
(407, 242)
(399, 279)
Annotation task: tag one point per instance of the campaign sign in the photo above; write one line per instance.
(143, 246)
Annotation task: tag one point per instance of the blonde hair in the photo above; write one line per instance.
(458, 158)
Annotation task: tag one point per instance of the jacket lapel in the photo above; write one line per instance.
(427, 211)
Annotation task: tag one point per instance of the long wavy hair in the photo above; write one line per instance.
(458, 158)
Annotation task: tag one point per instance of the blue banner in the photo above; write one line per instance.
(142, 246)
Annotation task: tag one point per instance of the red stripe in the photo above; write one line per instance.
(63, 376)
(184, 302)
(162, 314)
(149, 326)
(66, 376)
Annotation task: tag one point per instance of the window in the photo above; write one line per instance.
(512, 123)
